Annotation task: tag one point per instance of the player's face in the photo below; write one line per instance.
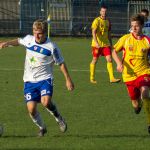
(136, 28)
(103, 12)
(39, 35)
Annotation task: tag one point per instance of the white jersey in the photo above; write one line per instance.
(40, 59)
(146, 28)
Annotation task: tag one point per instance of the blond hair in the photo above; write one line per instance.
(41, 25)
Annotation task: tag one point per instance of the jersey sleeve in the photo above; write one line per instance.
(95, 24)
(57, 56)
(120, 44)
(23, 41)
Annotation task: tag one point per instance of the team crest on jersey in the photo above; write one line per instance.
(35, 48)
(41, 50)
(130, 47)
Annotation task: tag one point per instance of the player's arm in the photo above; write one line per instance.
(117, 60)
(69, 83)
(109, 34)
(9, 43)
(94, 37)
(110, 38)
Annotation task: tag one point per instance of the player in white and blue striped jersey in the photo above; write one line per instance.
(41, 55)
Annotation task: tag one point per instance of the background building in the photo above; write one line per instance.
(68, 17)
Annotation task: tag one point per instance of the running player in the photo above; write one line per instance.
(134, 65)
(41, 54)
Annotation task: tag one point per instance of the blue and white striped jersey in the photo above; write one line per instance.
(40, 59)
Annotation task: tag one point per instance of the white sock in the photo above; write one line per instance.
(38, 120)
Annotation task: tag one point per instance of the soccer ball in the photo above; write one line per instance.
(1, 130)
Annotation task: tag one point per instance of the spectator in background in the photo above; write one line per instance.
(146, 28)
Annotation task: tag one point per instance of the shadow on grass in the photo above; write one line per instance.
(38, 149)
(81, 136)
(18, 136)
(103, 136)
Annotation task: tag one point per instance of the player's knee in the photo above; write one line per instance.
(109, 59)
(145, 92)
(45, 101)
(94, 61)
(32, 112)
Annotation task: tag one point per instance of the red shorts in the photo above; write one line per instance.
(134, 86)
(102, 51)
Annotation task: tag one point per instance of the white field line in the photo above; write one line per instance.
(72, 70)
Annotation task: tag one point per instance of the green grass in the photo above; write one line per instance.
(99, 117)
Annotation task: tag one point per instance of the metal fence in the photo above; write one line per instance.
(9, 16)
(68, 17)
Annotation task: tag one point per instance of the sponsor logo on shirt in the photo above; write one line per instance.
(35, 48)
(130, 47)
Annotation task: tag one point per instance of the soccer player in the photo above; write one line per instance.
(146, 28)
(134, 65)
(41, 55)
(101, 44)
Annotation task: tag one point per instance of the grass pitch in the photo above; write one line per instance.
(99, 117)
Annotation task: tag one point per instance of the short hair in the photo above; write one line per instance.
(138, 18)
(40, 24)
(103, 6)
(145, 11)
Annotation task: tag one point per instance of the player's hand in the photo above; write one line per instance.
(97, 45)
(69, 85)
(119, 67)
(3, 45)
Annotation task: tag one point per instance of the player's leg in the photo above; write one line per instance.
(137, 105)
(32, 96)
(36, 118)
(110, 70)
(107, 54)
(52, 109)
(95, 53)
(135, 96)
(46, 100)
(146, 103)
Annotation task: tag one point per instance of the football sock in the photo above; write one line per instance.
(92, 71)
(146, 106)
(110, 70)
(52, 109)
(38, 120)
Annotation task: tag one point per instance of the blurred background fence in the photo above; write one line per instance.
(68, 17)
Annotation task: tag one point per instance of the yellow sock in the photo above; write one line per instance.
(92, 71)
(146, 106)
(110, 70)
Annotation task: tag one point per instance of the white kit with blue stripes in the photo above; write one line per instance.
(40, 59)
(146, 28)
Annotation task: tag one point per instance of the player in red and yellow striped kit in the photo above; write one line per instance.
(101, 44)
(134, 66)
